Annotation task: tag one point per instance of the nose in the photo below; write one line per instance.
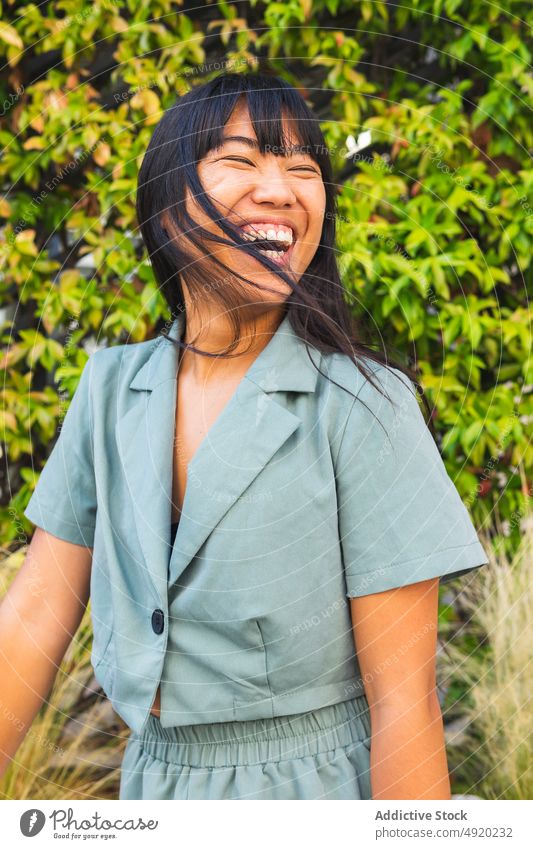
(273, 186)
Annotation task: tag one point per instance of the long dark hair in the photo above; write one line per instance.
(188, 130)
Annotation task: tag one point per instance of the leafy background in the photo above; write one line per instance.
(434, 213)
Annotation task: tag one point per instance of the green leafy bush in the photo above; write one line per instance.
(434, 220)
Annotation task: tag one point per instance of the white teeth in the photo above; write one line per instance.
(285, 236)
(271, 254)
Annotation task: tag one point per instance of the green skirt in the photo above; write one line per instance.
(321, 754)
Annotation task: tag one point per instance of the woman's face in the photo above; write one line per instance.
(266, 195)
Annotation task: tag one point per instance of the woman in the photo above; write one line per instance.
(280, 644)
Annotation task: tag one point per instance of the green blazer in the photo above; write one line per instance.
(299, 497)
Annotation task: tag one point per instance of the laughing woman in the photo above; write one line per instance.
(253, 500)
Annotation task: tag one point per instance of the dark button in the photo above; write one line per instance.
(158, 621)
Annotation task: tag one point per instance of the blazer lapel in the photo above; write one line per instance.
(246, 435)
(253, 425)
(145, 437)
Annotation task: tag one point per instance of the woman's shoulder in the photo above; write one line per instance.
(366, 380)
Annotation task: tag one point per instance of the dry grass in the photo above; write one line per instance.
(495, 756)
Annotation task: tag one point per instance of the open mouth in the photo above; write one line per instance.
(275, 243)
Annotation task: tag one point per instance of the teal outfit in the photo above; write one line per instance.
(299, 497)
(321, 754)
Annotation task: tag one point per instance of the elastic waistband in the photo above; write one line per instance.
(258, 740)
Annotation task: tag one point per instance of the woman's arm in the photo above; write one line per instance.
(39, 615)
(395, 634)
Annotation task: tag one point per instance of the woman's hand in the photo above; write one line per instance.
(395, 634)
(39, 615)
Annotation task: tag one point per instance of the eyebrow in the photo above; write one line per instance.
(254, 145)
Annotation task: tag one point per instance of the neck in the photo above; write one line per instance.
(213, 332)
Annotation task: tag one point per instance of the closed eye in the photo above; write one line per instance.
(238, 159)
(247, 162)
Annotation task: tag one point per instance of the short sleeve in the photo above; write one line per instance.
(64, 499)
(401, 518)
